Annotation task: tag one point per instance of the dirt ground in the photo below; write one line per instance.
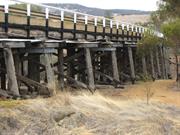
(164, 91)
(107, 112)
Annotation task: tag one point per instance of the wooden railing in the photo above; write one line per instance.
(64, 21)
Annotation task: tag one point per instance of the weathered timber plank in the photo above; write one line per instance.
(144, 66)
(131, 62)
(72, 80)
(108, 77)
(50, 73)
(158, 63)
(12, 80)
(152, 65)
(89, 68)
(61, 67)
(114, 65)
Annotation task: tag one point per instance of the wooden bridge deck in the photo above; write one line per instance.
(38, 49)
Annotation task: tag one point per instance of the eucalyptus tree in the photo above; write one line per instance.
(171, 32)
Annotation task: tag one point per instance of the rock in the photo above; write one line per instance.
(76, 120)
(62, 113)
(26, 96)
(23, 90)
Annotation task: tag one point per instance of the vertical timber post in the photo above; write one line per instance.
(162, 63)
(144, 66)
(132, 34)
(62, 25)
(86, 26)
(6, 18)
(33, 69)
(114, 65)
(122, 27)
(50, 74)
(157, 62)
(104, 27)
(17, 64)
(152, 65)
(111, 28)
(3, 75)
(95, 28)
(47, 23)
(117, 30)
(128, 36)
(75, 21)
(61, 68)
(28, 20)
(10, 69)
(131, 62)
(166, 60)
(70, 65)
(89, 67)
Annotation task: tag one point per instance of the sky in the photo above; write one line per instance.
(146, 5)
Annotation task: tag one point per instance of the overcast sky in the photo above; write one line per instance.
(147, 5)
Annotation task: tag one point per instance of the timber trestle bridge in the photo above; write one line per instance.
(49, 49)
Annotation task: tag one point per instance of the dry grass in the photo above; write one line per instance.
(107, 112)
(10, 103)
(133, 18)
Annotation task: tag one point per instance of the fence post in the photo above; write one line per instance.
(95, 28)
(104, 27)
(6, 17)
(47, 22)
(75, 21)
(117, 30)
(111, 28)
(86, 25)
(62, 25)
(28, 20)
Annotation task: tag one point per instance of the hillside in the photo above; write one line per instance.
(97, 11)
(107, 112)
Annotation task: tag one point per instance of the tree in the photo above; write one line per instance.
(168, 10)
(145, 48)
(171, 8)
(108, 14)
(171, 32)
(147, 44)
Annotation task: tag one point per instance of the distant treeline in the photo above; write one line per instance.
(83, 9)
(97, 11)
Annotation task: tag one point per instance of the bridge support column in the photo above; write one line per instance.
(17, 64)
(158, 64)
(89, 67)
(162, 64)
(10, 69)
(61, 68)
(114, 65)
(144, 66)
(3, 75)
(70, 65)
(152, 65)
(167, 65)
(33, 69)
(50, 74)
(131, 62)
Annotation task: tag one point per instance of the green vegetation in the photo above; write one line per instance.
(147, 44)
(171, 31)
(108, 14)
(166, 20)
(24, 7)
(9, 103)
